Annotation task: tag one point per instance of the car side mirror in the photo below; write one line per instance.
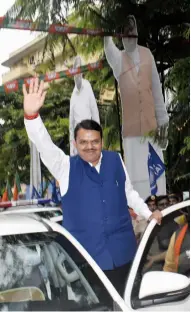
(156, 283)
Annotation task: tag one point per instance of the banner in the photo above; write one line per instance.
(56, 28)
(15, 85)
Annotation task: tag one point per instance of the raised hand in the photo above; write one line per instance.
(34, 98)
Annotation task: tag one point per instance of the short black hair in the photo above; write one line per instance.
(161, 197)
(175, 196)
(88, 124)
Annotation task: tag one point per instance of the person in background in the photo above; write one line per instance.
(173, 199)
(160, 245)
(162, 202)
(151, 202)
(178, 254)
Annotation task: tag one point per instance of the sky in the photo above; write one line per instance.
(11, 40)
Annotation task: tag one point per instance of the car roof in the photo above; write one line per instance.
(18, 224)
(27, 209)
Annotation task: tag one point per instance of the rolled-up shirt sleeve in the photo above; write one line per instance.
(57, 162)
(133, 198)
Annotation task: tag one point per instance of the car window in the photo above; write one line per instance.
(161, 252)
(44, 271)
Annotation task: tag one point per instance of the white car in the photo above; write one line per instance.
(44, 268)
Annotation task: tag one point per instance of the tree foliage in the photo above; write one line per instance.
(178, 158)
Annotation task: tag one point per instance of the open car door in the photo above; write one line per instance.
(149, 287)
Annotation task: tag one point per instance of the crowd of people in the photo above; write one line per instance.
(170, 250)
(154, 203)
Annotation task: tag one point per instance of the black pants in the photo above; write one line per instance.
(118, 277)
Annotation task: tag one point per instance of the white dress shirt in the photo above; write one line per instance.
(114, 58)
(58, 163)
(82, 106)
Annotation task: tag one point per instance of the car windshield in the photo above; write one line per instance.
(49, 214)
(45, 272)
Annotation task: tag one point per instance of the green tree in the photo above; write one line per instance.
(177, 154)
(13, 139)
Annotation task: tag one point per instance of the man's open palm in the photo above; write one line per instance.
(34, 98)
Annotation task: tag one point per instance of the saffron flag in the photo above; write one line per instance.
(7, 195)
(17, 187)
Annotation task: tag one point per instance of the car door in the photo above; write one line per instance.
(149, 287)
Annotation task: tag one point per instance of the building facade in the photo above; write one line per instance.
(31, 58)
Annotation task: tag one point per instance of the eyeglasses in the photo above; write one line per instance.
(94, 143)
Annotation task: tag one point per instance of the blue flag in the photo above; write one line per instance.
(35, 194)
(155, 167)
(56, 196)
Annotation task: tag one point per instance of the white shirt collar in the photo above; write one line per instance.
(97, 167)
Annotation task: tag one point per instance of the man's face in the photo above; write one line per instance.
(89, 145)
(152, 205)
(172, 201)
(162, 204)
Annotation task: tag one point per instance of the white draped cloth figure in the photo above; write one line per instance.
(136, 147)
(83, 104)
(35, 168)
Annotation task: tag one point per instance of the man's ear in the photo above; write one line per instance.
(74, 142)
(102, 142)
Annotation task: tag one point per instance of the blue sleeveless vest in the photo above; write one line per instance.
(95, 211)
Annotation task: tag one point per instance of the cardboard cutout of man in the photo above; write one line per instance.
(82, 104)
(143, 107)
